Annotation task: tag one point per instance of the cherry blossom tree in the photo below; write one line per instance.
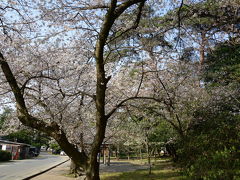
(56, 62)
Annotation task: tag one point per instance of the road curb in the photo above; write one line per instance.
(41, 172)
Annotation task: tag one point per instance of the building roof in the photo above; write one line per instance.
(14, 143)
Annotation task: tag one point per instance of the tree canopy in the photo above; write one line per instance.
(78, 70)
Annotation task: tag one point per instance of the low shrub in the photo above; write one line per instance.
(5, 156)
(211, 148)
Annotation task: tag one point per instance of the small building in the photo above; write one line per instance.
(18, 150)
(105, 152)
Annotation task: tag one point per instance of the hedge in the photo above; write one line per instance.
(5, 156)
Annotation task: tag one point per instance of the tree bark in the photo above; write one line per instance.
(149, 157)
(101, 119)
(140, 150)
(118, 152)
(128, 151)
(202, 48)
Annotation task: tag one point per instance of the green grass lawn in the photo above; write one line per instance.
(162, 169)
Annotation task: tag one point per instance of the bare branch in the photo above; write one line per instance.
(141, 81)
(92, 7)
(136, 22)
(36, 77)
(128, 99)
(179, 22)
(83, 94)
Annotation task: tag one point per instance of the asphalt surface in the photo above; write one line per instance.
(21, 169)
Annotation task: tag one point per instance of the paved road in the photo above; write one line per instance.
(17, 170)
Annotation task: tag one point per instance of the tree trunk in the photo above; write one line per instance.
(76, 170)
(117, 152)
(155, 155)
(140, 151)
(93, 171)
(128, 153)
(202, 48)
(149, 158)
(101, 86)
(104, 157)
(93, 168)
(109, 156)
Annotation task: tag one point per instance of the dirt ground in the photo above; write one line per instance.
(60, 172)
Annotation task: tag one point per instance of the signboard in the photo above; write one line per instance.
(4, 147)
